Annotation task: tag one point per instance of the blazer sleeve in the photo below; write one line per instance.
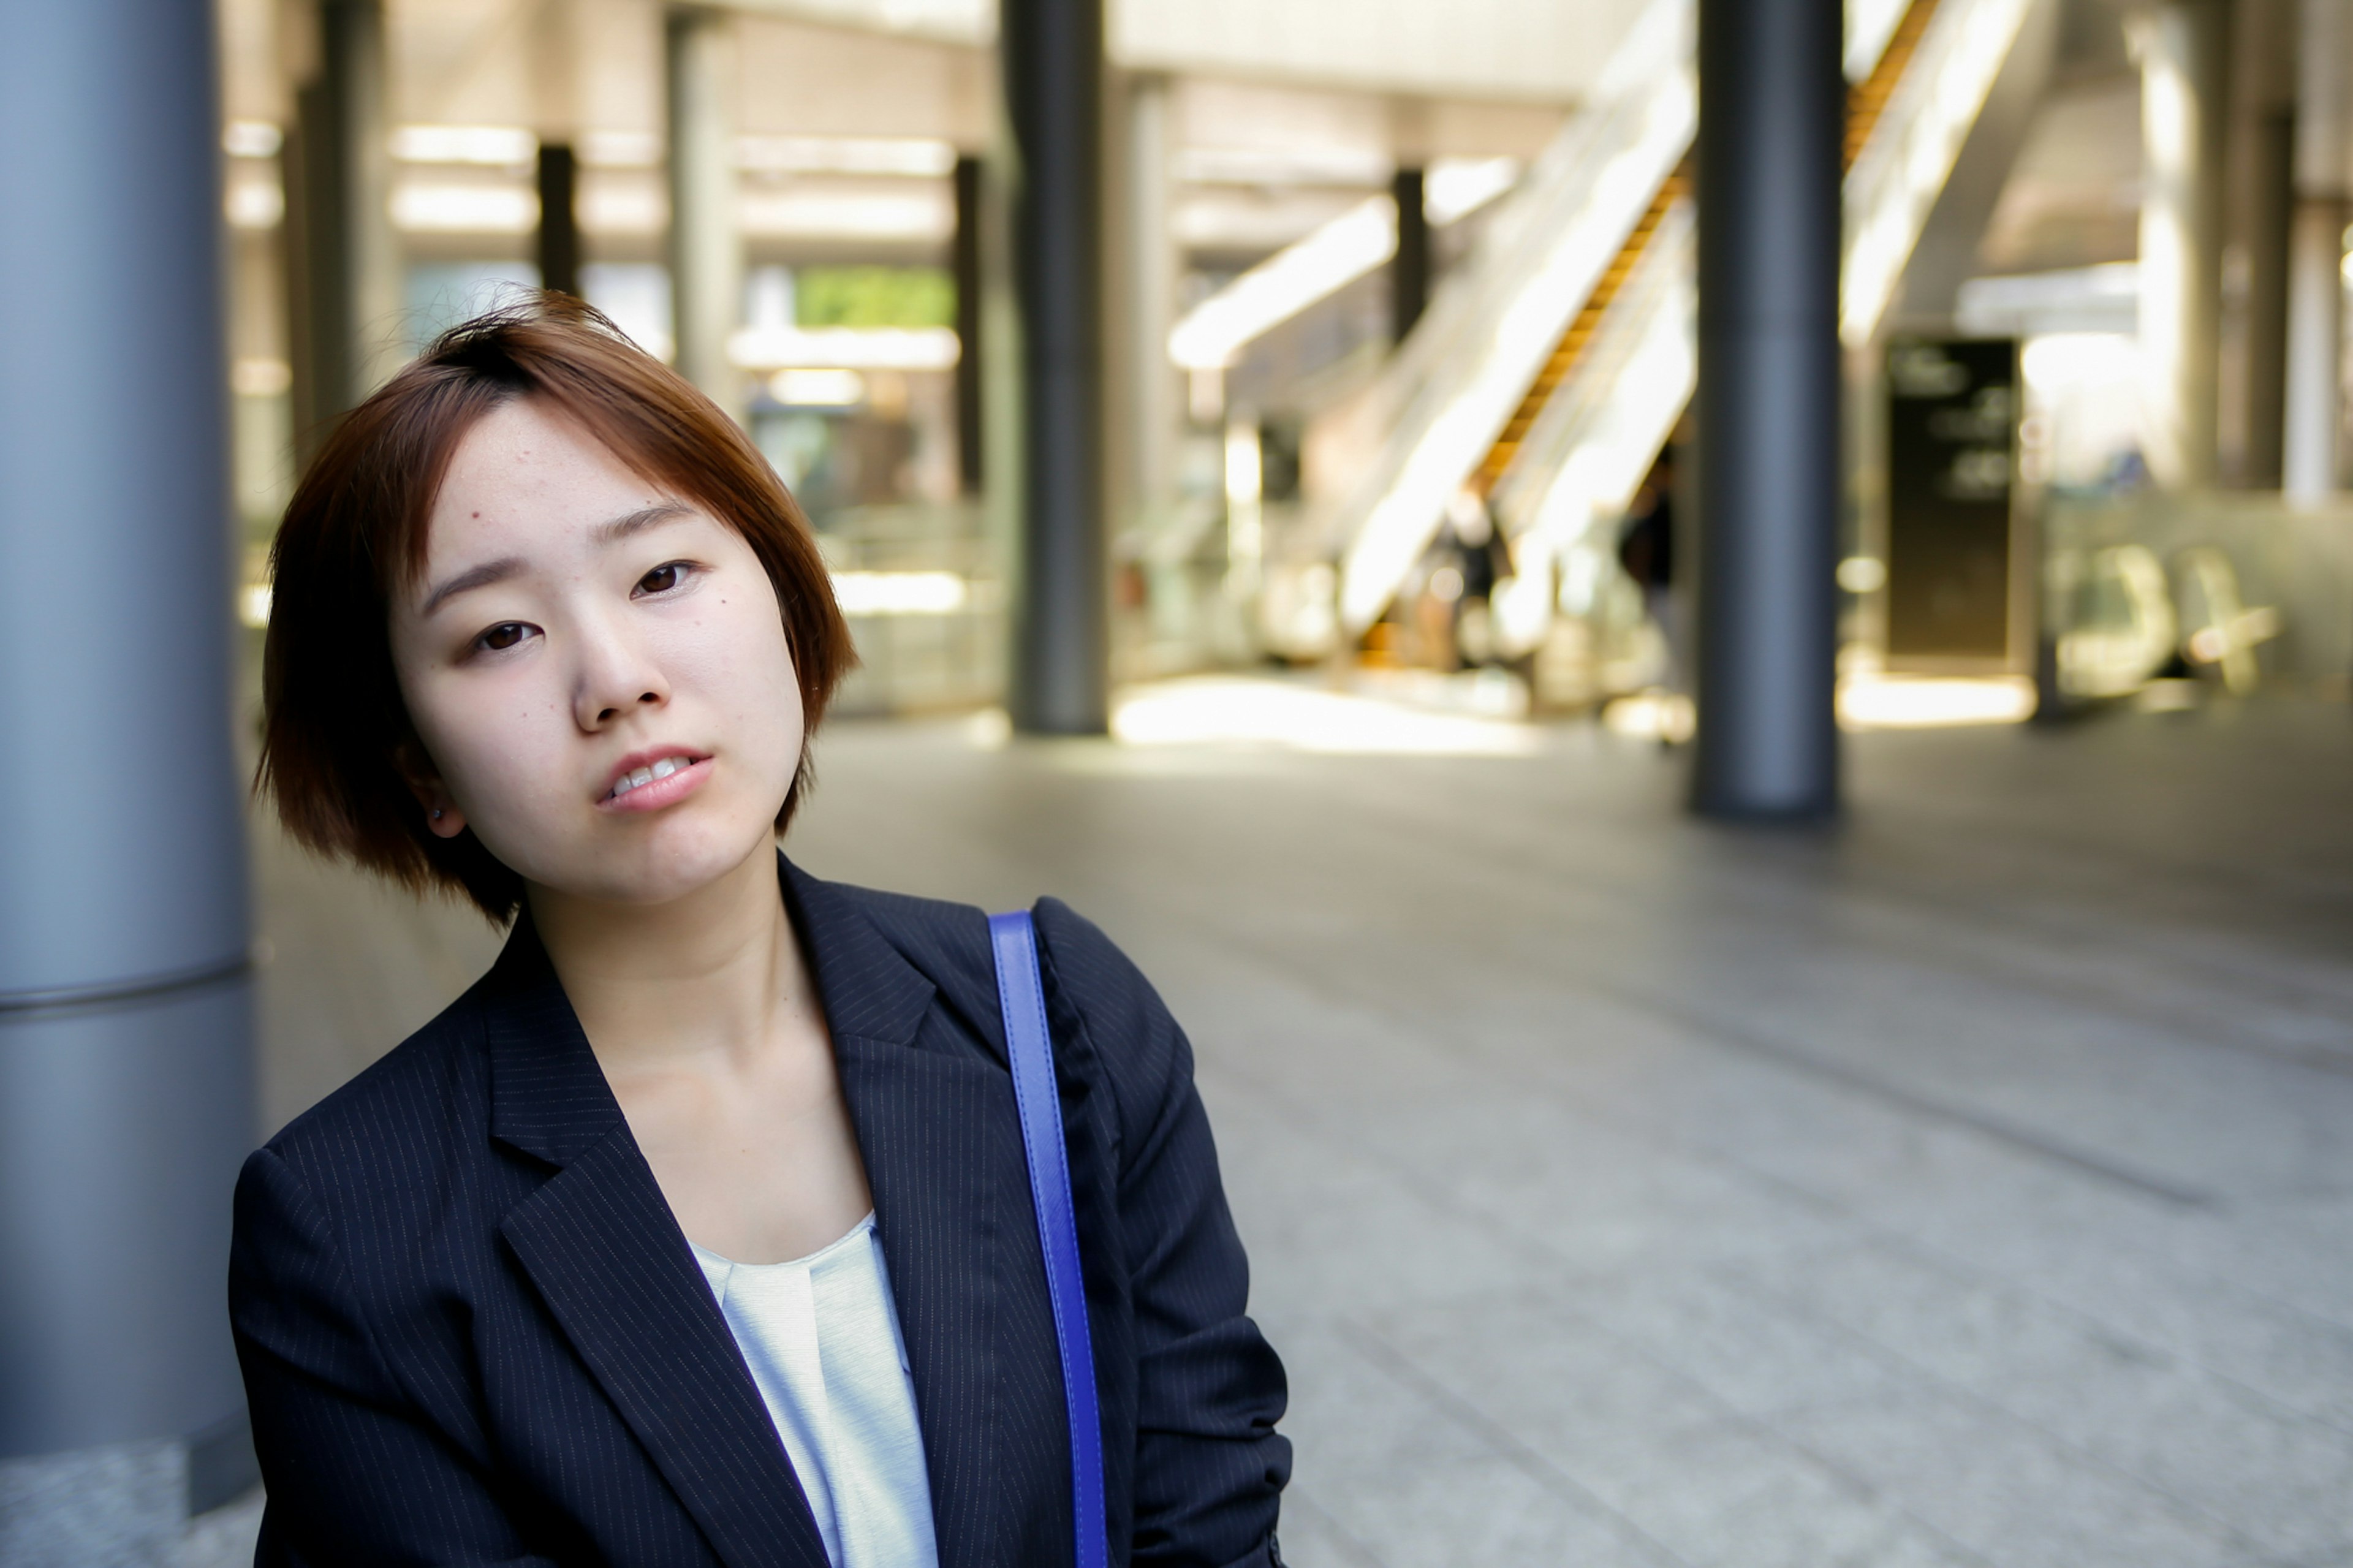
(1209, 1466)
(355, 1473)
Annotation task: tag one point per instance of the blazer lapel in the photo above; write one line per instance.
(942, 1150)
(601, 1245)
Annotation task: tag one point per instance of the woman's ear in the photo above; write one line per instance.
(443, 817)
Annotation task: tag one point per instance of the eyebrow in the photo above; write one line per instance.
(637, 521)
(506, 566)
(473, 578)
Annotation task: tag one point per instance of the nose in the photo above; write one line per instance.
(617, 675)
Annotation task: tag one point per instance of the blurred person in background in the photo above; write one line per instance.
(1452, 608)
(699, 1229)
(1646, 550)
(1481, 560)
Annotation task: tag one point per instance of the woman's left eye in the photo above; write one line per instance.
(663, 578)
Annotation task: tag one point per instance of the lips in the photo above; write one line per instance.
(653, 778)
(638, 778)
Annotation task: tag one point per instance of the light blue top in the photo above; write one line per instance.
(822, 1337)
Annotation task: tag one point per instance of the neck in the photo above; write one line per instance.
(659, 984)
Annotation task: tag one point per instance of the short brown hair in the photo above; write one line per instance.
(334, 726)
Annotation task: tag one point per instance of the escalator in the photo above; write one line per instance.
(1551, 368)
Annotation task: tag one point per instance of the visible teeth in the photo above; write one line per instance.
(660, 770)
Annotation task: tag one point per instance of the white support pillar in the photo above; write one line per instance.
(2184, 49)
(2316, 255)
(1152, 258)
(706, 256)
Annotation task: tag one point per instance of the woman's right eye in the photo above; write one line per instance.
(505, 635)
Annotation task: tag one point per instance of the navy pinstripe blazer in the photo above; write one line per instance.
(472, 1332)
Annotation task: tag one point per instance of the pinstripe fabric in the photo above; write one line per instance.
(472, 1332)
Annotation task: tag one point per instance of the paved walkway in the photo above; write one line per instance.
(1970, 1184)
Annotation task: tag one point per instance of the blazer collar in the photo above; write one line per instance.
(548, 1096)
(943, 1151)
(868, 988)
(944, 1159)
(600, 1243)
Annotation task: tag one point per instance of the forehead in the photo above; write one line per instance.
(524, 475)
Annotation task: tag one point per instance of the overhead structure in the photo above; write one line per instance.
(1548, 385)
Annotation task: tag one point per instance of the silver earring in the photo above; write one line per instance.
(437, 813)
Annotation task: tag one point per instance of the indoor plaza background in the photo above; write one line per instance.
(1704, 643)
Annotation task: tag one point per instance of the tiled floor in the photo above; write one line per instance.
(1971, 1184)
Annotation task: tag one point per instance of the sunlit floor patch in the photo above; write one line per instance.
(1664, 716)
(1240, 710)
(1928, 703)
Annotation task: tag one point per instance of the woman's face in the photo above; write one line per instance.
(597, 669)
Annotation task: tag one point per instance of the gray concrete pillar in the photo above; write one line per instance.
(1409, 271)
(2315, 302)
(344, 258)
(1771, 119)
(126, 1094)
(559, 217)
(706, 254)
(2184, 47)
(1052, 52)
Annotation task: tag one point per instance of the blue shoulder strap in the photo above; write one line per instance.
(1021, 993)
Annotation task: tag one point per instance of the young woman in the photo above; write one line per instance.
(699, 1231)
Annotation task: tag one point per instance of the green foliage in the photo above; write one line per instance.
(874, 296)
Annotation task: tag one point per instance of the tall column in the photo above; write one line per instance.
(1410, 269)
(2184, 47)
(345, 256)
(1772, 112)
(554, 61)
(2260, 203)
(559, 217)
(1052, 57)
(964, 261)
(1150, 308)
(706, 258)
(2316, 254)
(2271, 209)
(126, 1093)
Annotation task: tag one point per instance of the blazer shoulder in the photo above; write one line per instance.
(1104, 983)
(1084, 969)
(909, 918)
(1096, 995)
(947, 941)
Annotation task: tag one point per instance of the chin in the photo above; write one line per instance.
(658, 873)
(674, 862)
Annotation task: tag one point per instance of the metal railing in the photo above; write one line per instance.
(922, 586)
(2243, 588)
